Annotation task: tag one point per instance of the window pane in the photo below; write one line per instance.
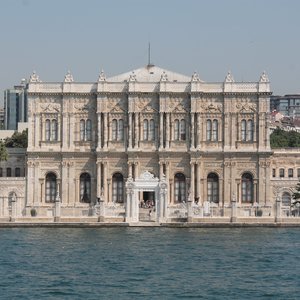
(243, 130)
(145, 130)
(152, 131)
(82, 130)
(208, 130)
(17, 172)
(114, 130)
(88, 130)
(176, 130)
(215, 131)
(47, 130)
(121, 130)
(182, 130)
(250, 130)
(54, 130)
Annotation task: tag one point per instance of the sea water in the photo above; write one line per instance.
(150, 263)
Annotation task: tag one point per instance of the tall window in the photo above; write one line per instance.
(88, 129)
(213, 188)
(286, 199)
(250, 130)
(179, 187)
(85, 188)
(117, 188)
(51, 130)
(85, 130)
(151, 130)
(47, 130)
(8, 172)
(50, 187)
(247, 130)
(179, 130)
(1, 172)
(117, 130)
(145, 130)
(176, 130)
(121, 130)
(291, 173)
(17, 172)
(243, 132)
(247, 188)
(215, 130)
(208, 130)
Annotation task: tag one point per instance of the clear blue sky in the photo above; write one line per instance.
(247, 37)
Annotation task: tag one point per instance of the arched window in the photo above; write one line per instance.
(151, 130)
(243, 130)
(176, 130)
(114, 126)
(17, 172)
(215, 131)
(121, 130)
(50, 187)
(250, 130)
(247, 188)
(117, 188)
(88, 130)
(47, 130)
(182, 130)
(145, 130)
(82, 130)
(179, 187)
(286, 199)
(213, 188)
(85, 188)
(54, 130)
(208, 130)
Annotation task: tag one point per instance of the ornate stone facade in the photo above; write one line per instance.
(208, 141)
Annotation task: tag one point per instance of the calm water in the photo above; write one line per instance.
(150, 263)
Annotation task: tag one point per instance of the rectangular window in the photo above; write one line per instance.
(290, 173)
(8, 172)
(1, 174)
(273, 172)
(17, 172)
(298, 172)
(281, 172)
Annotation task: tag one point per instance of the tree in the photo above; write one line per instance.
(284, 139)
(18, 140)
(3, 152)
(296, 196)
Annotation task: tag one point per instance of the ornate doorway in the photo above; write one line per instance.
(146, 199)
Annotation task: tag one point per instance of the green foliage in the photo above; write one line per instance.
(3, 152)
(18, 140)
(284, 139)
(296, 194)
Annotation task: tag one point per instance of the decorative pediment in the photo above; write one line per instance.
(147, 176)
(50, 108)
(149, 109)
(212, 108)
(246, 107)
(117, 109)
(179, 109)
(84, 107)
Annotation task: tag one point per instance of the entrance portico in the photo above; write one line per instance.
(154, 193)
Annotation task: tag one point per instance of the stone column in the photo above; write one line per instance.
(105, 186)
(136, 130)
(130, 131)
(278, 210)
(198, 131)
(13, 209)
(167, 130)
(57, 206)
(198, 182)
(102, 209)
(98, 179)
(163, 205)
(99, 131)
(233, 209)
(63, 131)
(161, 170)
(161, 130)
(105, 124)
(192, 131)
(192, 189)
(37, 130)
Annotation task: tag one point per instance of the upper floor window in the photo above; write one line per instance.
(290, 172)
(85, 130)
(179, 130)
(8, 172)
(1, 172)
(273, 172)
(247, 130)
(17, 172)
(117, 130)
(148, 130)
(281, 172)
(212, 130)
(51, 130)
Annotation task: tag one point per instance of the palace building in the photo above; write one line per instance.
(148, 144)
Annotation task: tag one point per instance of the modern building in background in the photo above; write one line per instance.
(15, 106)
(1, 118)
(288, 105)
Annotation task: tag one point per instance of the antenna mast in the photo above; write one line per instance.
(149, 53)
